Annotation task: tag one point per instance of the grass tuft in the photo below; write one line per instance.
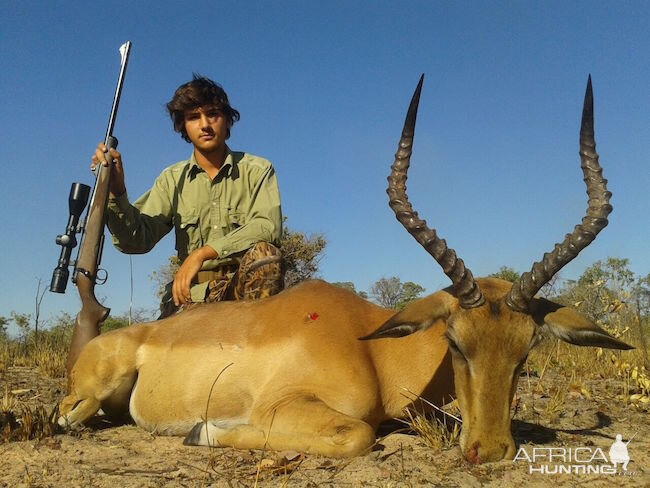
(20, 422)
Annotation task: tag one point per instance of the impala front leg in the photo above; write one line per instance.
(74, 411)
(304, 423)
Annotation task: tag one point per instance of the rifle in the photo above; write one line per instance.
(86, 266)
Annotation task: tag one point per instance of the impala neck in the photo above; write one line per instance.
(416, 365)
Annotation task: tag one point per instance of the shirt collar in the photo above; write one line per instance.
(226, 168)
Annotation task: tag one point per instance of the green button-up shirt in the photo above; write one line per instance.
(230, 213)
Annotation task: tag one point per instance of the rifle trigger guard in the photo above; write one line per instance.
(101, 279)
(97, 279)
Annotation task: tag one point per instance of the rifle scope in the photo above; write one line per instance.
(77, 202)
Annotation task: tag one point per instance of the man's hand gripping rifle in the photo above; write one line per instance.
(86, 267)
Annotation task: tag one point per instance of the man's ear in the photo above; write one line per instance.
(418, 315)
(568, 325)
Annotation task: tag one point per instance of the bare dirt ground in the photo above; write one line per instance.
(105, 455)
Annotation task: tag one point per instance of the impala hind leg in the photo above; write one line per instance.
(304, 424)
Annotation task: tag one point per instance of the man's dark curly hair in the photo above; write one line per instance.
(199, 92)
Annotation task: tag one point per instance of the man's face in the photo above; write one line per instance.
(206, 127)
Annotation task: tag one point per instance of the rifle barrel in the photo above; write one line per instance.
(124, 52)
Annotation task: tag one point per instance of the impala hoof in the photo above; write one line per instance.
(194, 436)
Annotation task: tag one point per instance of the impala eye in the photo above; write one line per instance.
(454, 348)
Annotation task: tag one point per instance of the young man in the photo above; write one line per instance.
(223, 205)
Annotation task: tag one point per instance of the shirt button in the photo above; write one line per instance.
(214, 204)
(214, 227)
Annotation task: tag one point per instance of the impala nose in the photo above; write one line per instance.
(472, 454)
(477, 454)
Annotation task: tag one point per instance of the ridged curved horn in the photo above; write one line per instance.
(467, 291)
(593, 222)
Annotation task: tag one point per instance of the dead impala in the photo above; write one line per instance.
(290, 372)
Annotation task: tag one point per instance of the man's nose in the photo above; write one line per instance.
(204, 121)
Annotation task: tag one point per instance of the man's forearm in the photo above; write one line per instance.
(206, 253)
(267, 229)
(132, 231)
(181, 288)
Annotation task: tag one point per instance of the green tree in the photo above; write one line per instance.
(506, 273)
(4, 321)
(22, 321)
(601, 290)
(62, 327)
(641, 300)
(549, 290)
(392, 293)
(138, 316)
(165, 274)
(410, 291)
(302, 254)
(117, 322)
(604, 293)
(387, 291)
(348, 285)
(641, 295)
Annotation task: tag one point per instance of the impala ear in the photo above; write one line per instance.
(418, 315)
(568, 325)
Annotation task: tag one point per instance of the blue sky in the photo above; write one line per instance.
(323, 88)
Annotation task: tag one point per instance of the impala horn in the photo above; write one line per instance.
(466, 289)
(593, 222)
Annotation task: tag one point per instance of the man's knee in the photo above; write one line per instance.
(261, 272)
(262, 249)
(264, 258)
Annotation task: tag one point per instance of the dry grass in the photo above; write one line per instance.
(5, 357)
(555, 403)
(435, 433)
(48, 355)
(20, 422)
(581, 363)
(438, 431)
(50, 360)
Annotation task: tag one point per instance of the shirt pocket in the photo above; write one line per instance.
(188, 233)
(232, 219)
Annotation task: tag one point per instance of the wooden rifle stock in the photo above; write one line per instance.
(92, 313)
